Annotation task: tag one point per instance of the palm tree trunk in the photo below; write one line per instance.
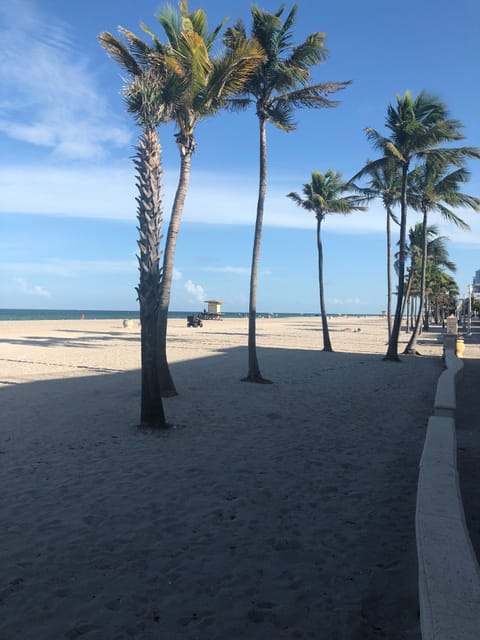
(327, 346)
(426, 315)
(406, 300)
(412, 343)
(147, 163)
(389, 274)
(166, 382)
(254, 374)
(392, 351)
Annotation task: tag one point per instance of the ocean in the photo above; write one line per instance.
(99, 314)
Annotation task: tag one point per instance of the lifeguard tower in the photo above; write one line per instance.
(213, 310)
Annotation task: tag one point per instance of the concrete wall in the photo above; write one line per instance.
(448, 571)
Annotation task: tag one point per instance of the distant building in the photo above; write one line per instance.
(476, 285)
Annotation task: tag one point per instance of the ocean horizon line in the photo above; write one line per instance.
(9, 314)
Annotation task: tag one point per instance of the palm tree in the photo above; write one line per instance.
(384, 182)
(413, 253)
(437, 257)
(434, 187)
(323, 195)
(417, 127)
(144, 98)
(279, 86)
(204, 85)
(437, 282)
(444, 293)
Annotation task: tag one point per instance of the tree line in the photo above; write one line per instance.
(182, 79)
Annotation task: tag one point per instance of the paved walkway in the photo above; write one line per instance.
(468, 433)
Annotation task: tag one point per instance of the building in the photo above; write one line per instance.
(476, 285)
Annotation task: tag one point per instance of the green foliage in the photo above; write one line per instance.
(280, 84)
(435, 187)
(325, 194)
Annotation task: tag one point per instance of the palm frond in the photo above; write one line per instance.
(119, 53)
(229, 72)
(279, 114)
(235, 35)
(451, 216)
(137, 47)
(311, 52)
(172, 24)
(194, 59)
(239, 104)
(314, 96)
(157, 44)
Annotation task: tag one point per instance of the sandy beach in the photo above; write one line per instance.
(278, 511)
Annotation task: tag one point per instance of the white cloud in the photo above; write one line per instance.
(95, 191)
(242, 271)
(195, 290)
(177, 275)
(101, 191)
(53, 99)
(33, 290)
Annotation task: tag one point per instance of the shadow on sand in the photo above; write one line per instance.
(268, 510)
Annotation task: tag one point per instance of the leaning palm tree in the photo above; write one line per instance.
(435, 187)
(417, 127)
(279, 86)
(384, 183)
(145, 100)
(205, 83)
(324, 195)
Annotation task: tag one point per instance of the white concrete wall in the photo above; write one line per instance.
(448, 571)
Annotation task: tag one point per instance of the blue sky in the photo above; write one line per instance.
(67, 210)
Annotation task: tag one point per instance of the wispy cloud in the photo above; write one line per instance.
(95, 192)
(32, 290)
(195, 290)
(241, 271)
(105, 191)
(346, 301)
(53, 99)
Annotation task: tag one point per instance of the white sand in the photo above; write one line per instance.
(270, 511)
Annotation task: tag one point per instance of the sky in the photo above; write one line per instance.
(67, 186)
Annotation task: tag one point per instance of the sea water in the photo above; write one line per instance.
(99, 314)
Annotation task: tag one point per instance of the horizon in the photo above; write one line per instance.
(67, 211)
(182, 311)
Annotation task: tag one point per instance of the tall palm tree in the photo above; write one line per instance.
(144, 98)
(384, 183)
(279, 86)
(324, 195)
(435, 187)
(205, 83)
(417, 129)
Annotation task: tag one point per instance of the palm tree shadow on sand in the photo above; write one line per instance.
(280, 476)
